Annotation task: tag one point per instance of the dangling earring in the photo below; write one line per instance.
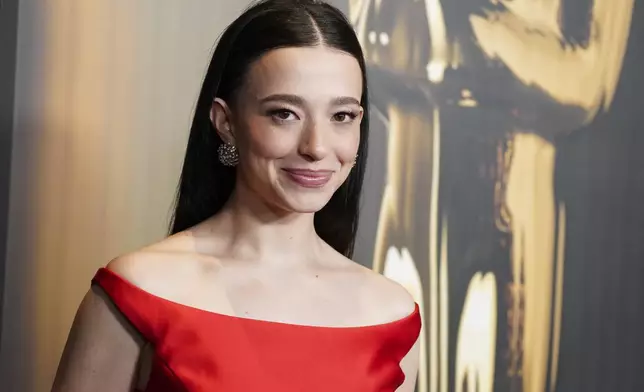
(354, 161)
(228, 155)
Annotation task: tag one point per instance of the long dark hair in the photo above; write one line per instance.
(205, 184)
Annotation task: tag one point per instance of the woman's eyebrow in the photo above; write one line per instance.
(299, 101)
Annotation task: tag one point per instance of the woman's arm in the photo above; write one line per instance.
(409, 365)
(102, 349)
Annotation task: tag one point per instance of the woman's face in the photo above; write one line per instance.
(296, 125)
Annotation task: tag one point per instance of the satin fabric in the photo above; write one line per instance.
(197, 350)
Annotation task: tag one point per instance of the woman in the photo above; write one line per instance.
(254, 290)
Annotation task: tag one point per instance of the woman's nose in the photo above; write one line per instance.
(313, 144)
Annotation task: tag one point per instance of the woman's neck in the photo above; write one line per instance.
(248, 228)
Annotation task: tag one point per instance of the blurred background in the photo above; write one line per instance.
(504, 189)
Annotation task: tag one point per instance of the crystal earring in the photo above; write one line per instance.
(354, 161)
(228, 155)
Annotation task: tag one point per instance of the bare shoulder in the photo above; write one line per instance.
(152, 267)
(384, 298)
(389, 295)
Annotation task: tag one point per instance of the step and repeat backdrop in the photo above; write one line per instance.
(505, 187)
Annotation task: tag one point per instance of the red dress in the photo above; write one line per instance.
(198, 350)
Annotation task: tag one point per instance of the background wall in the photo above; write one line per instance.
(104, 93)
(503, 189)
(510, 204)
(8, 31)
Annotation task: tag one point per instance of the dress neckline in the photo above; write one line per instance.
(104, 273)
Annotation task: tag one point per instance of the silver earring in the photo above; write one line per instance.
(354, 161)
(228, 155)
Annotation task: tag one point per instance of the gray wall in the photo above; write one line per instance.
(8, 31)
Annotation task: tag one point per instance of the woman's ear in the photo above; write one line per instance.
(221, 120)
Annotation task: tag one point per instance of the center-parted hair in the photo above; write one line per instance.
(205, 184)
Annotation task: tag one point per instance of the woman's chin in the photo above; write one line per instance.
(307, 203)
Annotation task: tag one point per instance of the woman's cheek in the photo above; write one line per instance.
(270, 143)
(347, 150)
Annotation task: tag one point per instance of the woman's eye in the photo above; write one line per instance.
(344, 117)
(283, 115)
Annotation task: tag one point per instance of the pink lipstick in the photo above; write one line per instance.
(309, 178)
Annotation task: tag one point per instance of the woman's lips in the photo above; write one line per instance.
(309, 178)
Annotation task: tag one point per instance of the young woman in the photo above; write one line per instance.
(254, 289)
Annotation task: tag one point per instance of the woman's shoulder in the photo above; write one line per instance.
(389, 297)
(150, 268)
(384, 298)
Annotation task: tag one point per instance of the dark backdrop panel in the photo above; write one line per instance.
(594, 191)
(8, 39)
